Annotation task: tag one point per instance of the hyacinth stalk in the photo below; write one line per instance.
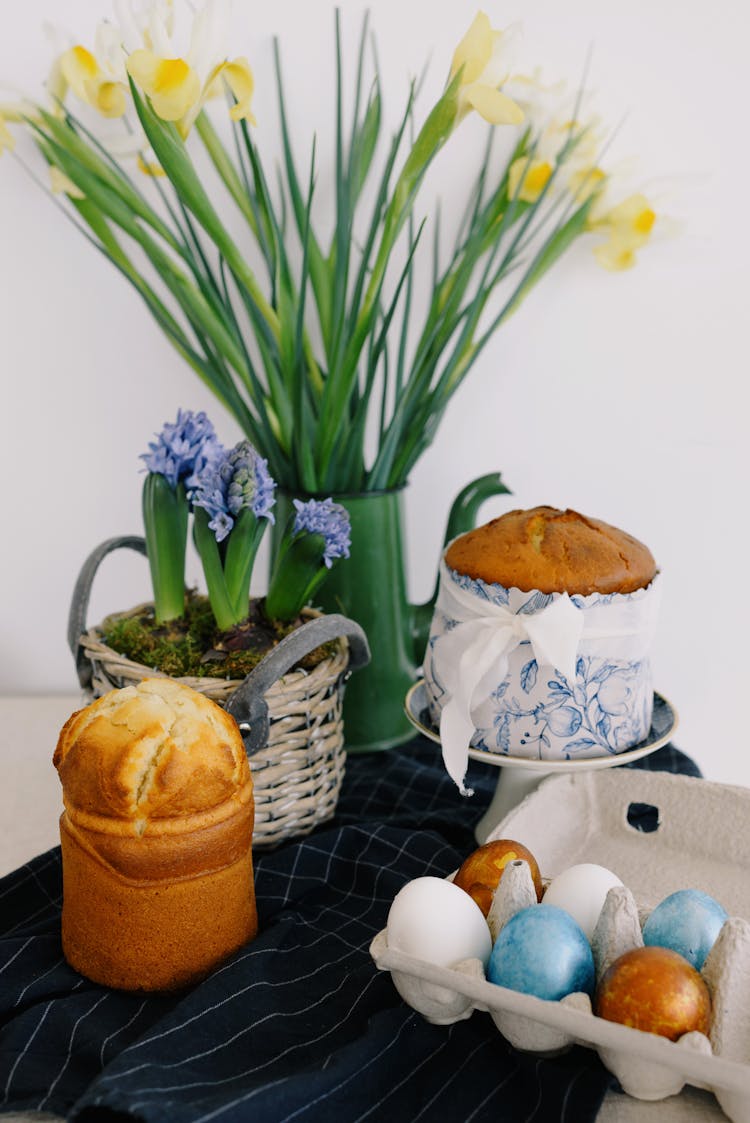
(232, 497)
(165, 519)
(228, 571)
(326, 364)
(319, 535)
(171, 461)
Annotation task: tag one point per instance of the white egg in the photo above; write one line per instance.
(582, 890)
(434, 920)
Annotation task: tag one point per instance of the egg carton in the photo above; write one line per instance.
(701, 841)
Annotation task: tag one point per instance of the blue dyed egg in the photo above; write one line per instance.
(542, 951)
(688, 922)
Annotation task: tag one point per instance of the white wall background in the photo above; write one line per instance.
(623, 396)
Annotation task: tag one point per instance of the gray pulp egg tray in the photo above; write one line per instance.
(702, 841)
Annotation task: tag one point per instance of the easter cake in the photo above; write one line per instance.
(539, 644)
(156, 837)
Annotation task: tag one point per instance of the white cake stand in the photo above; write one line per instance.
(518, 776)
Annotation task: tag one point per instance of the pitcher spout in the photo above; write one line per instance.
(462, 517)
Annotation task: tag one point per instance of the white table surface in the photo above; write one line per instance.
(30, 793)
(30, 806)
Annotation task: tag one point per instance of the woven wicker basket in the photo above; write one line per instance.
(290, 719)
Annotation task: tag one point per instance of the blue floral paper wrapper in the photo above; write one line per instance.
(524, 706)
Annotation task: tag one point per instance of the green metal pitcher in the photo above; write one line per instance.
(371, 588)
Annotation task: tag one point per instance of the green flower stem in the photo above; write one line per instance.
(63, 134)
(323, 362)
(432, 136)
(319, 272)
(165, 518)
(226, 169)
(298, 573)
(213, 571)
(200, 313)
(172, 154)
(242, 546)
(204, 366)
(553, 249)
(275, 236)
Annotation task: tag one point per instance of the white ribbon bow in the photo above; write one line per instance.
(474, 658)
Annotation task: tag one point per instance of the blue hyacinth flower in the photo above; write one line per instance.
(328, 519)
(179, 446)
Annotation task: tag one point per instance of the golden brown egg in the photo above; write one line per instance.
(655, 990)
(480, 874)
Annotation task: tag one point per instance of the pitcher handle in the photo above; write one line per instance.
(248, 706)
(462, 517)
(466, 505)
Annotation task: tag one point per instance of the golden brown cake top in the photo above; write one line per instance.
(553, 551)
(158, 750)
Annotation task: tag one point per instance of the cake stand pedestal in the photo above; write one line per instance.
(519, 776)
(513, 785)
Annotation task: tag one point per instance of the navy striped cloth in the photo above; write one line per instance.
(299, 1025)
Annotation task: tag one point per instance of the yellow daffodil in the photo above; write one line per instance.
(580, 138)
(82, 73)
(7, 140)
(20, 112)
(478, 62)
(633, 218)
(573, 144)
(110, 99)
(571, 140)
(567, 146)
(629, 225)
(145, 26)
(171, 83)
(142, 44)
(239, 78)
(539, 100)
(78, 67)
(179, 86)
(615, 257)
(149, 167)
(553, 113)
(176, 92)
(527, 178)
(586, 183)
(97, 78)
(61, 184)
(207, 43)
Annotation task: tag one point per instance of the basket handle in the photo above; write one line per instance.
(79, 604)
(248, 705)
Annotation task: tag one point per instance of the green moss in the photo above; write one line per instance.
(193, 647)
